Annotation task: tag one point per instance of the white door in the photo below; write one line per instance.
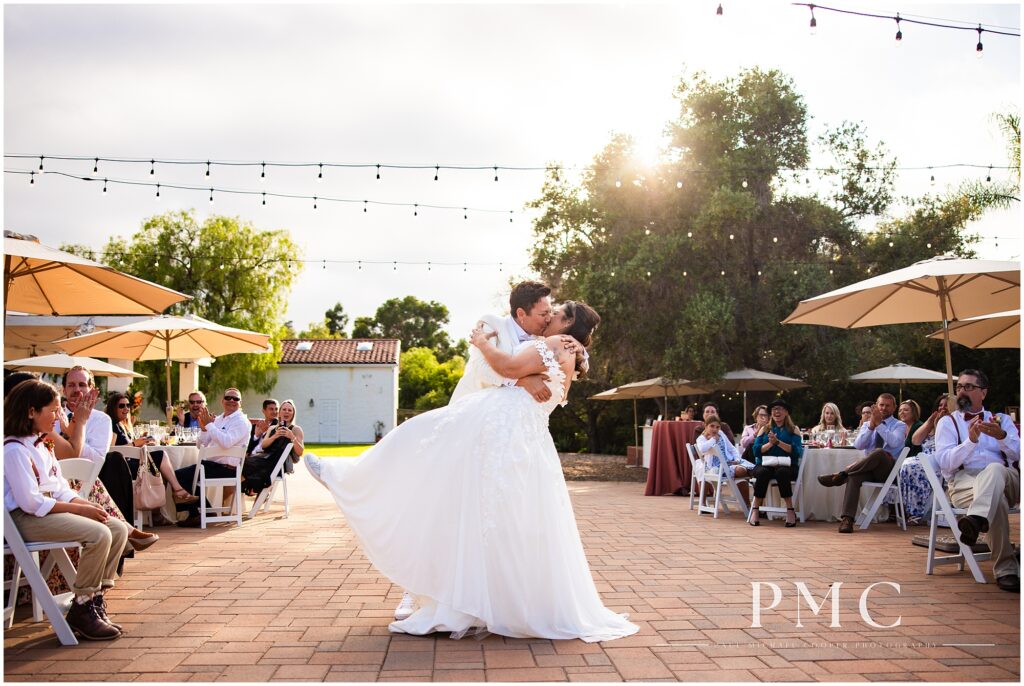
(330, 420)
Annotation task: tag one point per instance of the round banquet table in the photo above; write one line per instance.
(670, 471)
(821, 502)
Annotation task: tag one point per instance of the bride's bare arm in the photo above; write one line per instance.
(516, 366)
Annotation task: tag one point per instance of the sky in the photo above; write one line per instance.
(456, 84)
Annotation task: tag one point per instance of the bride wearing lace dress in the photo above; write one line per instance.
(466, 506)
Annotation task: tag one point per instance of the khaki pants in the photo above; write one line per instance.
(102, 544)
(989, 493)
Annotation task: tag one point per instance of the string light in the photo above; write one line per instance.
(365, 205)
(378, 172)
(988, 179)
(264, 199)
(814, 21)
(152, 167)
(495, 173)
(207, 168)
(899, 31)
(104, 187)
(96, 165)
(263, 170)
(32, 178)
(679, 184)
(40, 163)
(211, 196)
(978, 50)
(415, 210)
(437, 171)
(465, 214)
(718, 12)
(320, 174)
(314, 202)
(158, 191)
(618, 183)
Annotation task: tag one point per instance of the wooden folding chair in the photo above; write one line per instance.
(26, 562)
(277, 477)
(867, 514)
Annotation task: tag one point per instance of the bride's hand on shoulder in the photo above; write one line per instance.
(570, 344)
(479, 337)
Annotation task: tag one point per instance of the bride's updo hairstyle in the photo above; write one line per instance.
(584, 322)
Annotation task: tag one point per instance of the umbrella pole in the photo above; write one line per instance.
(167, 373)
(636, 428)
(950, 399)
(743, 419)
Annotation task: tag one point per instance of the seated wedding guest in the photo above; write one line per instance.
(909, 413)
(119, 409)
(881, 439)
(189, 419)
(864, 412)
(777, 452)
(687, 414)
(45, 508)
(710, 409)
(830, 419)
(977, 452)
(113, 491)
(760, 417)
(260, 428)
(230, 429)
(913, 484)
(259, 465)
(715, 450)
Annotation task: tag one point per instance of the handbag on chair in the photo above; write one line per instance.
(148, 488)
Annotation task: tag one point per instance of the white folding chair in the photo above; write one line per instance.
(277, 477)
(26, 561)
(83, 470)
(221, 513)
(941, 507)
(694, 480)
(798, 499)
(867, 514)
(720, 479)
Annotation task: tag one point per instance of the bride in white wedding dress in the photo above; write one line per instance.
(466, 507)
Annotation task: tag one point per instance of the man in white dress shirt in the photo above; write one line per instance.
(99, 434)
(227, 430)
(978, 453)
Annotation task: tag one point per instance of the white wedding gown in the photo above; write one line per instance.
(466, 508)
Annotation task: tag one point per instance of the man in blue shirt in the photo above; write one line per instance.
(881, 438)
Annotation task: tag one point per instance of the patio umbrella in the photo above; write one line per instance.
(747, 379)
(660, 387)
(617, 394)
(941, 289)
(61, 362)
(899, 373)
(1000, 330)
(42, 280)
(167, 338)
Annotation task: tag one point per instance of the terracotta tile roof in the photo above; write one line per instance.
(339, 351)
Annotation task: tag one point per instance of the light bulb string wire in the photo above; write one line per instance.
(265, 194)
(904, 19)
(475, 167)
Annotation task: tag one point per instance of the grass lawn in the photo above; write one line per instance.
(334, 450)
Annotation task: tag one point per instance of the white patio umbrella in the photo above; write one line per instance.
(1000, 330)
(59, 363)
(747, 379)
(617, 394)
(900, 373)
(42, 280)
(168, 338)
(940, 289)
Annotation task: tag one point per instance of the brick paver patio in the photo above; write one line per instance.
(293, 600)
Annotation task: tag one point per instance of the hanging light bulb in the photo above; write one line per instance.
(325, 264)
(618, 183)
(510, 214)
(679, 184)
(899, 31)
(647, 232)
(437, 170)
(775, 239)
(428, 266)
(40, 163)
(416, 210)
(31, 178)
(365, 204)
(263, 171)
(465, 214)
(152, 167)
(359, 264)
(96, 165)
(988, 179)
(718, 12)
(978, 50)
(378, 172)
(314, 202)
(689, 234)
(264, 199)
(207, 168)
(495, 173)
(732, 236)
(158, 191)
(744, 183)
(814, 22)
(211, 196)
(320, 174)
(104, 188)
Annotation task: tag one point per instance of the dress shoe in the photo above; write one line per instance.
(193, 522)
(970, 527)
(85, 620)
(314, 465)
(846, 525)
(1010, 582)
(831, 480)
(142, 542)
(405, 608)
(101, 608)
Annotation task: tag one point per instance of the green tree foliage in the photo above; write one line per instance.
(425, 383)
(417, 323)
(237, 275)
(693, 264)
(331, 326)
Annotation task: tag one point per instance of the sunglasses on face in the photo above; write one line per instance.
(123, 406)
(232, 399)
(195, 402)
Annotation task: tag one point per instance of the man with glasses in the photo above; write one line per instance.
(190, 419)
(227, 430)
(882, 438)
(978, 453)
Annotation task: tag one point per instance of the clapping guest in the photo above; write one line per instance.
(260, 428)
(190, 419)
(712, 446)
(45, 508)
(119, 410)
(913, 483)
(864, 412)
(909, 413)
(779, 439)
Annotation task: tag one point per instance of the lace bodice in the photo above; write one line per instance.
(556, 380)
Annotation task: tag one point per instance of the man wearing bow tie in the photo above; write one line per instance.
(978, 454)
(881, 438)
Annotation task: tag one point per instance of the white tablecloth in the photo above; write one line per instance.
(823, 503)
